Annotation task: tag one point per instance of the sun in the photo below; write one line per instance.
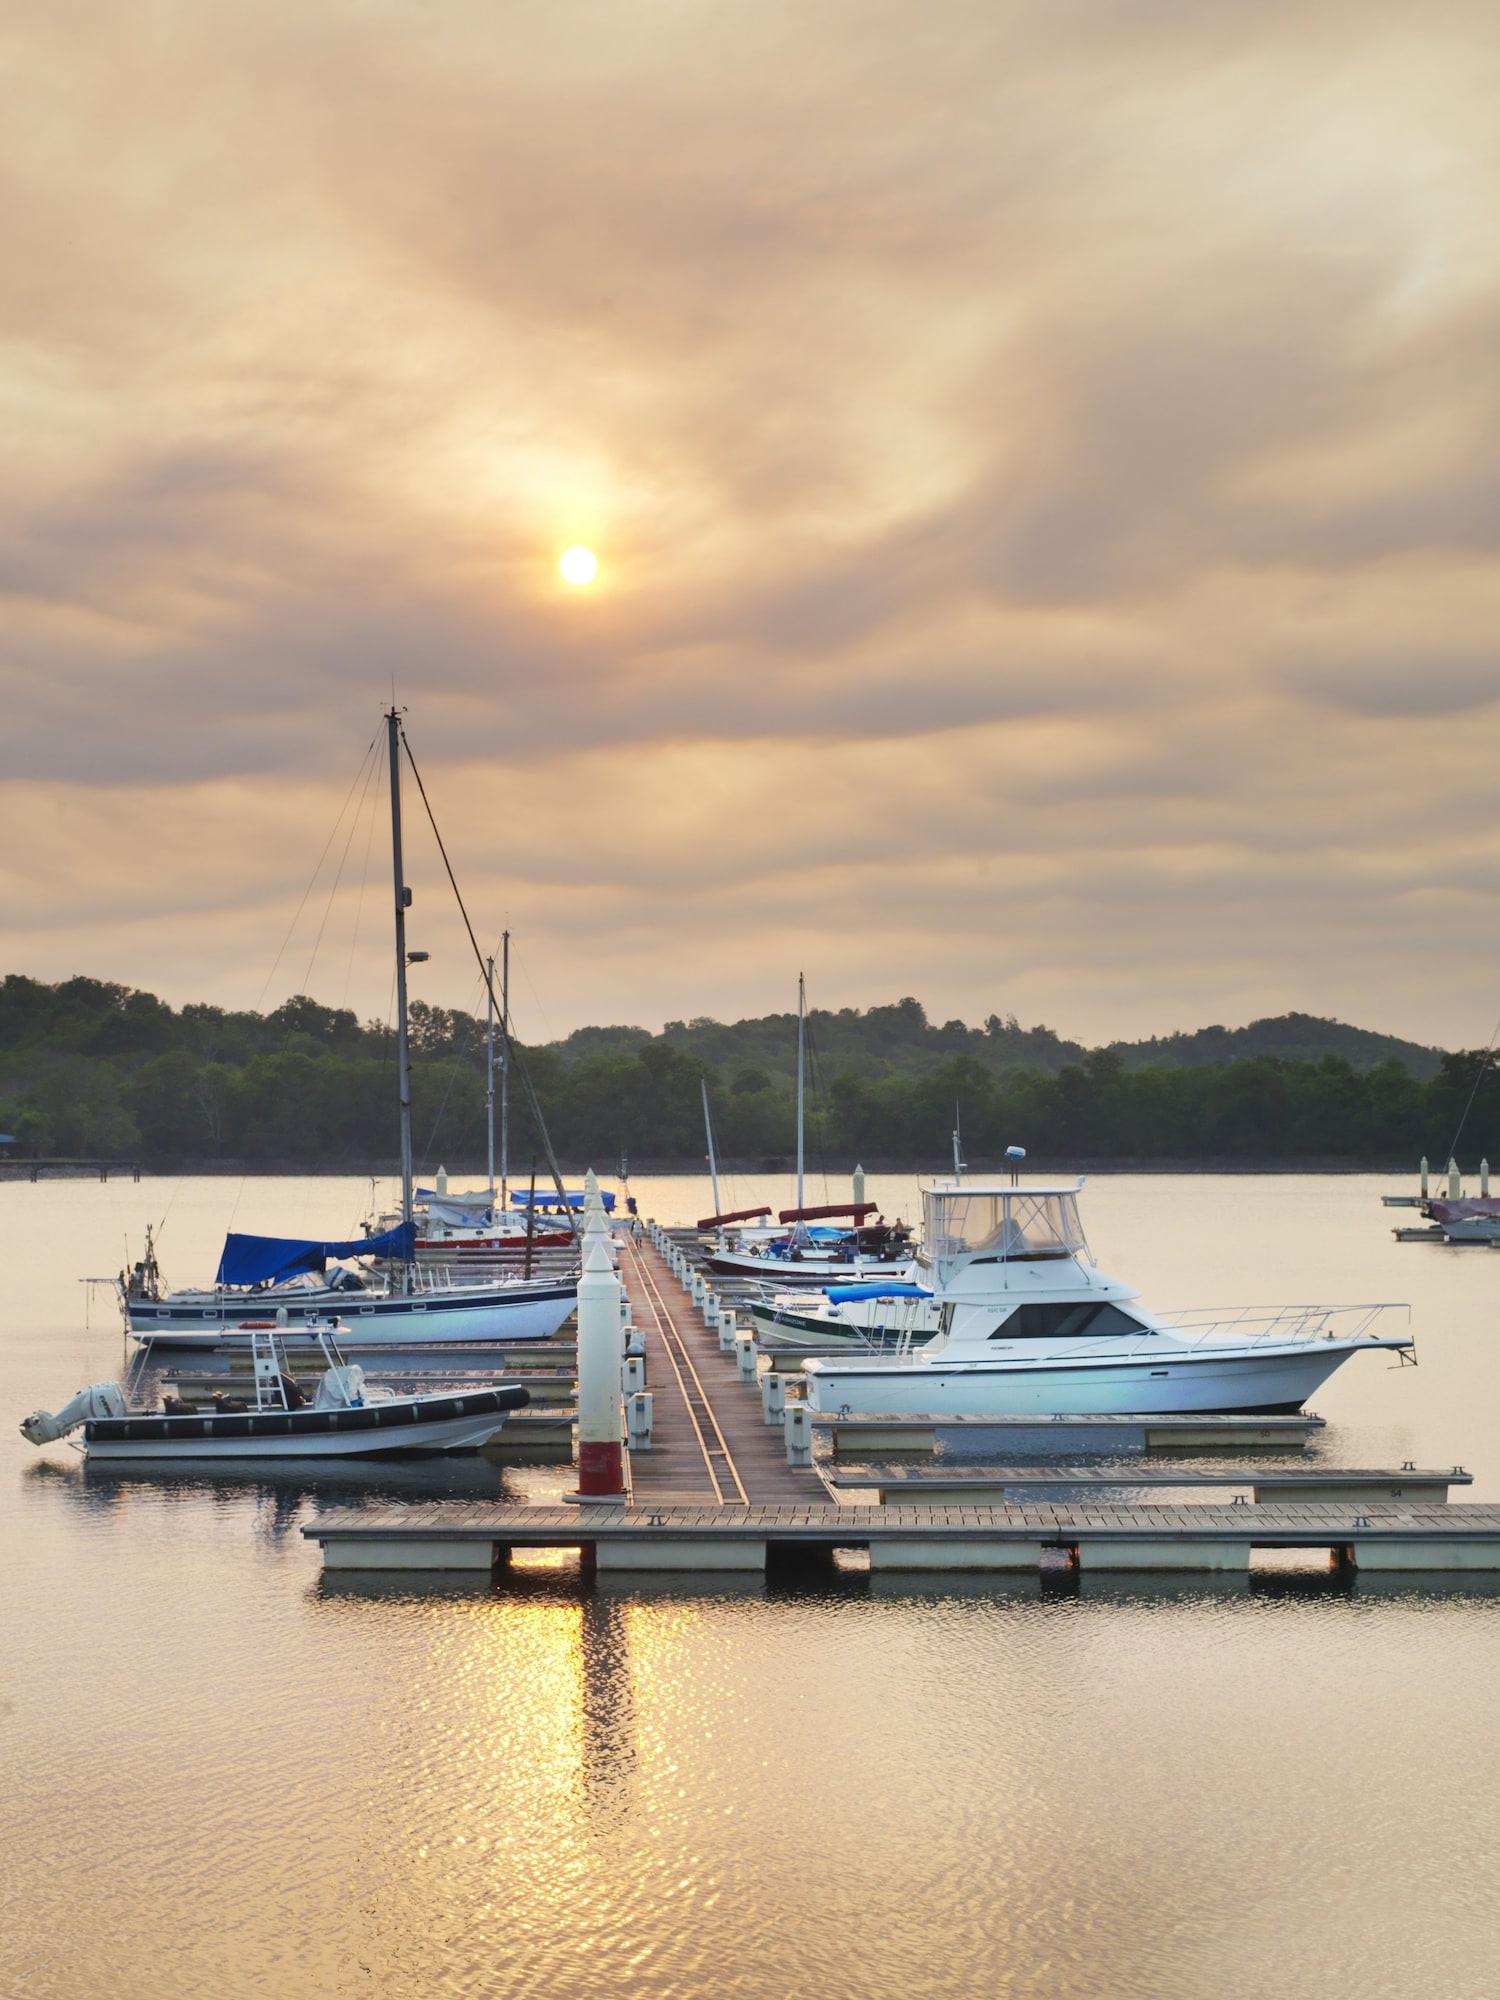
(578, 565)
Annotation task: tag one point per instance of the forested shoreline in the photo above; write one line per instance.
(91, 1068)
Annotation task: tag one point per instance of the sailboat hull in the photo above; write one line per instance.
(482, 1317)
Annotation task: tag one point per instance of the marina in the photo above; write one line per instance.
(728, 1481)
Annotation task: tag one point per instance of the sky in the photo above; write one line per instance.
(1042, 461)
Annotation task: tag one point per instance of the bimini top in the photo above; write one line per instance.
(991, 1222)
(261, 1260)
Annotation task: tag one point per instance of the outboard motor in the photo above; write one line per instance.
(104, 1399)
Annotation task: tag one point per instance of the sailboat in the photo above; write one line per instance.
(810, 1256)
(484, 1224)
(260, 1277)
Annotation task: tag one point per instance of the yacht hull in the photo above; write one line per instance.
(1192, 1383)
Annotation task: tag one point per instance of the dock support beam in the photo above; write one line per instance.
(1124, 1552)
(979, 1553)
(468, 1554)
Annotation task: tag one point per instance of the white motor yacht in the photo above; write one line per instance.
(1027, 1324)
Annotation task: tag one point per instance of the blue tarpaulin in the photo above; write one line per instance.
(837, 1294)
(523, 1198)
(260, 1260)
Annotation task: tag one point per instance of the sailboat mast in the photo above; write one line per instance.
(489, 1073)
(708, 1132)
(801, 1080)
(504, 1066)
(403, 903)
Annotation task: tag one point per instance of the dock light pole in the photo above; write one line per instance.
(601, 1464)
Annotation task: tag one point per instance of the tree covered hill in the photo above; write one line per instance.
(91, 1067)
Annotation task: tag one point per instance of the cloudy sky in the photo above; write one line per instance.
(1042, 460)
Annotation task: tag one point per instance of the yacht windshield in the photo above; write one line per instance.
(1002, 1226)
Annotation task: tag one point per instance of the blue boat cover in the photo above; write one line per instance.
(548, 1199)
(261, 1260)
(837, 1294)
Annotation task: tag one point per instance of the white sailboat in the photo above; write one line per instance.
(1027, 1324)
(808, 1256)
(260, 1277)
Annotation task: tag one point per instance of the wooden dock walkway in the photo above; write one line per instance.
(708, 1442)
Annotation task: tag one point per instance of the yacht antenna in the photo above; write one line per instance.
(489, 1072)
(801, 1077)
(708, 1132)
(403, 903)
(959, 1163)
(504, 1064)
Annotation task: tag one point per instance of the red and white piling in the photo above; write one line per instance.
(601, 1465)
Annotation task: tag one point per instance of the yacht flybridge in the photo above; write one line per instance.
(1028, 1324)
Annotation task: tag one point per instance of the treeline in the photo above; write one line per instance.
(91, 1068)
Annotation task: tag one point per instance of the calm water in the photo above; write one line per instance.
(222, 1776)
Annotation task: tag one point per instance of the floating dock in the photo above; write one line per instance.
(906, 1484)
(713, 1539)
(1047, 1436)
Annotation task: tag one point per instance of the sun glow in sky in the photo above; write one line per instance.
(1051, 548)
(578, 565)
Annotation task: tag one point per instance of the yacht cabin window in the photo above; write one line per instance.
(1040, 1319)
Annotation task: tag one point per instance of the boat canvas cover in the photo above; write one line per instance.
(839, 1294)
(575, 1199)
(261, 1260)
(443, 1208)
(1473, 1210)
(859, 1210)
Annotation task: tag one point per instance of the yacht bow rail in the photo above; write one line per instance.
(1277, 1323)
(1214, 1326)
